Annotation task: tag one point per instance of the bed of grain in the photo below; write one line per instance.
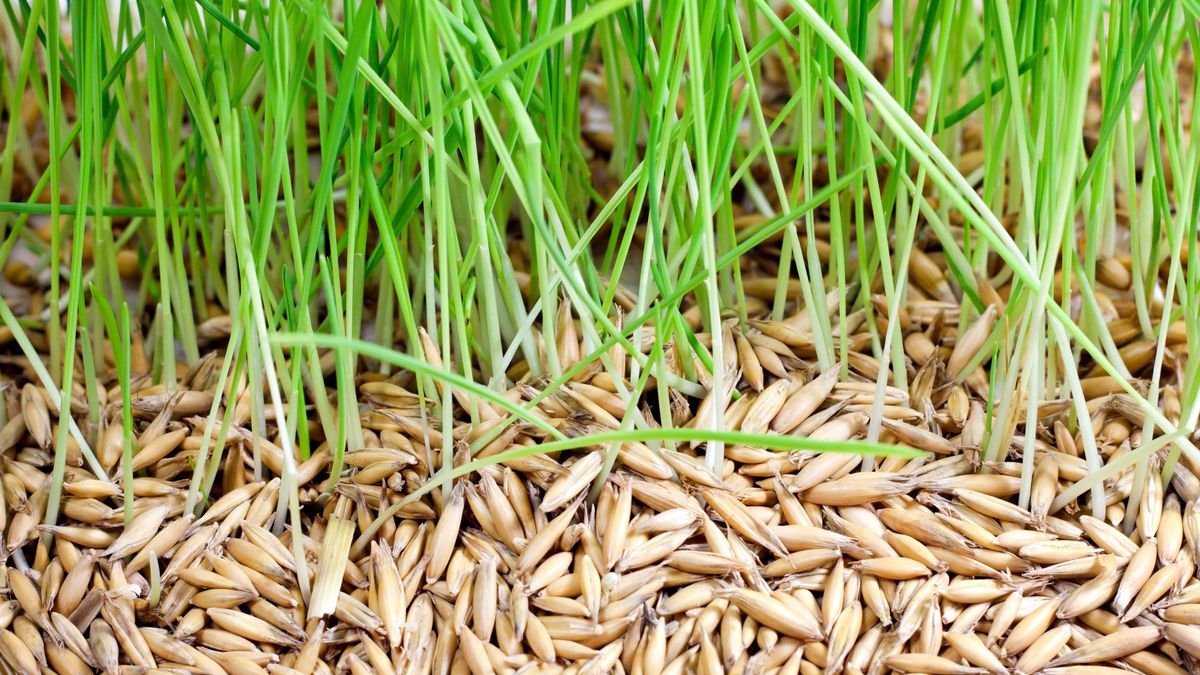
(776, 563)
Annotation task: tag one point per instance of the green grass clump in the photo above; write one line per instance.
(432, 186)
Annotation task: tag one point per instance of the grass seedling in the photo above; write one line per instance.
(556, 309)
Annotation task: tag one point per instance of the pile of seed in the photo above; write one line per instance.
(776, 563)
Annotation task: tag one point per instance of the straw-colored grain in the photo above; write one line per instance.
(1121, 643)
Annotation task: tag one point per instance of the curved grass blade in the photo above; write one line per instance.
(768, 441)
(415, 365)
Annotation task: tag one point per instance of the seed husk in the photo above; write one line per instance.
(1154, 588)
(140, 531)
(1043, 649)
(1031, 627)
(331, 567)
(251, 627)
(1091, 595)
(769, 611)
(1110, 647)
(569, 485)
(928, 663)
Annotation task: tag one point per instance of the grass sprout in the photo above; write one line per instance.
(411, 307)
